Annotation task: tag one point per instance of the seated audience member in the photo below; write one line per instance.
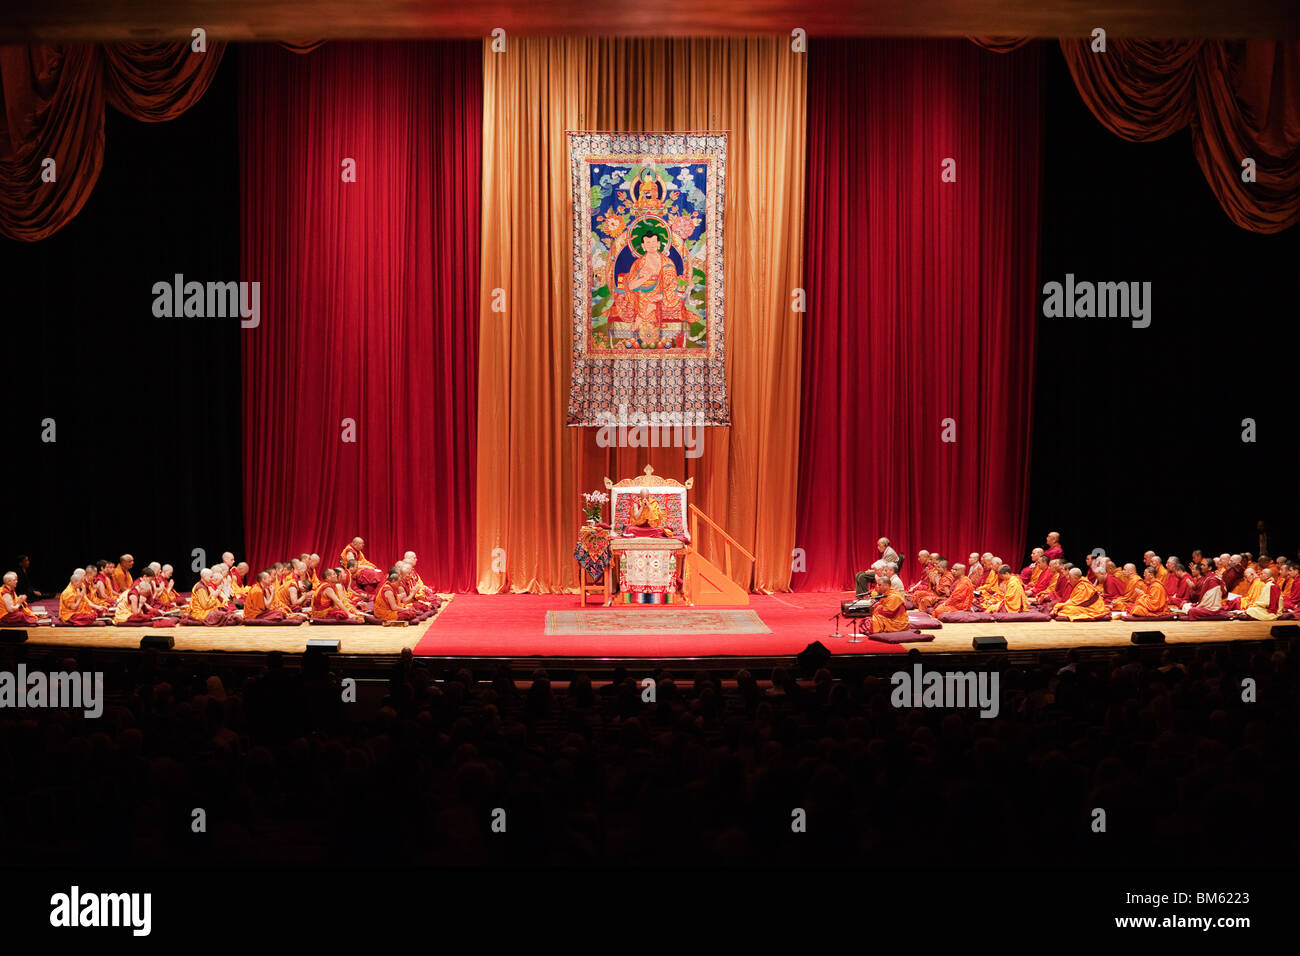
(1085, 602)
(14, 609)
(75, 605)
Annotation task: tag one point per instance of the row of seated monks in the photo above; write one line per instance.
(1214, 589)
(296, 591)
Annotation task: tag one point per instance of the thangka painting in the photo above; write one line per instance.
(648, 295)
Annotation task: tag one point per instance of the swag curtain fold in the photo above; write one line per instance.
(922, 305)
(53, 99)
(531, 468)
(359, 382)
(1239, 99)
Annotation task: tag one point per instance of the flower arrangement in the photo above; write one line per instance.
(595, 505)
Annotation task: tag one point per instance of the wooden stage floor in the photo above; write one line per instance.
(796, 621)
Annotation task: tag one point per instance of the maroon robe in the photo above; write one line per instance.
(1055, 551)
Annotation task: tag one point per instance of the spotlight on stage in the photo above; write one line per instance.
(157, 642)
(1148, 637)
(1284, 630)
(813, 656)
(13, 635)
(323, 645)
(993, 642)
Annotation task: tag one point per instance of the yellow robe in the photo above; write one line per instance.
(203, 602)
(1084, 604)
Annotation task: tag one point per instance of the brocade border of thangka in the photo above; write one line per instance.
(675, 382)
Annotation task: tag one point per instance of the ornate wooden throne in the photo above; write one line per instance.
(663, 569)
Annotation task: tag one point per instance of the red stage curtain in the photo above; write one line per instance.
(369, 301)
(1240, 100)
(922, 302)
(53, 100)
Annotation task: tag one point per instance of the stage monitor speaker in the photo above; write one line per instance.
(1284, 630)
(157, 642)
(323, 644)
(994, 642)
(813, 656)
(12, 635)
(1148, 637)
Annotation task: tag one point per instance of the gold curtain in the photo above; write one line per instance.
(532, 469)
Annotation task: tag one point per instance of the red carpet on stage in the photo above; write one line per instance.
(513, 625)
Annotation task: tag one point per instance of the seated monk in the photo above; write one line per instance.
(240, 583)
(14, 609)
(388, 606)
(122, 579)
(292, 595)
(367, 577)
(934, 586)
(1031, 572)
(1128, 597)
(1044, 591)
(961, 597)
(1266, 605)
(103, 588)
(1054, 549)
(1061, 588)
(422, 591)
(1209, 607)
(1153, 599)
(348, 586)
(1177, 583)
(924, 562)
(1110, 583)
(1289, 589)
(1251, 585)
(133, 609)
(888, 613)
(75, 606)
(314, 571)
(647, 519)
(406, 589)
(1011, 597)
(207, 606)
(1085, 602)
(328, 604)
(259, 604)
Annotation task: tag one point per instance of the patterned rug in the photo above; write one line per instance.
(691, 620)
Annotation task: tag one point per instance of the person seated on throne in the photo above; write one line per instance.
(647, 518)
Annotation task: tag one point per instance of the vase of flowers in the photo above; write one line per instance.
(595, 505)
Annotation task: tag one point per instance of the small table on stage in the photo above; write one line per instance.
(645, 567)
